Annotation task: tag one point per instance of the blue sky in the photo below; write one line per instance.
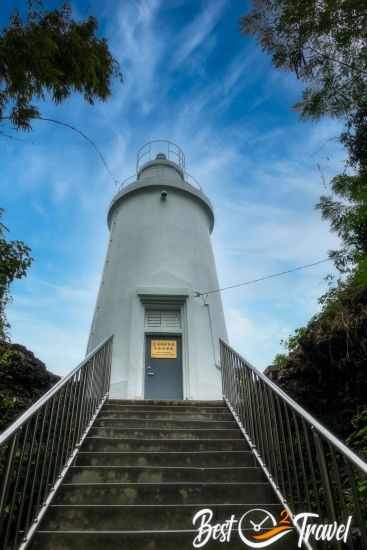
(190, 77)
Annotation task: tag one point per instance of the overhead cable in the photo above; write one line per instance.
(252, 281)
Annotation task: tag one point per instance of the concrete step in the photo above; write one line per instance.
(158, 518)
(143, 540)
(123, 474)
(162, 423)
(199, 459)
(148, 540)
(181, 410)
(139, 414)
(165, 493)
(179, 433)
(167, 403)
(116, 444)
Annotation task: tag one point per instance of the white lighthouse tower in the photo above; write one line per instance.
(166, 338)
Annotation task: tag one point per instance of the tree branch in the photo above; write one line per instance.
(326, 56)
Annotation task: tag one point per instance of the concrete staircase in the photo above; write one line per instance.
(145, 469)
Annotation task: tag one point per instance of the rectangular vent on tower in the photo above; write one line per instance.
(162, 319)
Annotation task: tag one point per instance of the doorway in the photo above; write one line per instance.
(163, 367)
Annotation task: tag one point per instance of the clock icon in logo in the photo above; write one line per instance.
(258, 528)
(256, 519)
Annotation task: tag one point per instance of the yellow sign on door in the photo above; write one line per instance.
(163, 349)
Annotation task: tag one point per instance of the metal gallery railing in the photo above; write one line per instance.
(149, 151)
(38, 448)
(309, 468)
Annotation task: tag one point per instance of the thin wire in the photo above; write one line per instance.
(83, 135)
(252, 281)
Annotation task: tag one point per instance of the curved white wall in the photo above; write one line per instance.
(160, 248)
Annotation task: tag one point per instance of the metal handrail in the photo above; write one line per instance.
(38, 448)
(309, 468)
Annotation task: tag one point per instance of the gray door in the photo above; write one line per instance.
(163, 367)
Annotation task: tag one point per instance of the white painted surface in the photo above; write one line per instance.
(160, 248)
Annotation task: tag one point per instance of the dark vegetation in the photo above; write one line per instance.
(23, 380)
(325, 45)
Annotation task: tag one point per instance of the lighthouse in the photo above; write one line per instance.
(152, 299)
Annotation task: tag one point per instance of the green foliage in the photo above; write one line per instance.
(49, 53)
(280, 361)
(292, 341)
(8, 408)
(358, 442)
(325, 44)
(346, 211)
(15, 259)
(358, 439)
(322, 42)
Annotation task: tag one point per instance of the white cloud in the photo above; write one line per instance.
(256, 340)
(197, 33)
(138, 44)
